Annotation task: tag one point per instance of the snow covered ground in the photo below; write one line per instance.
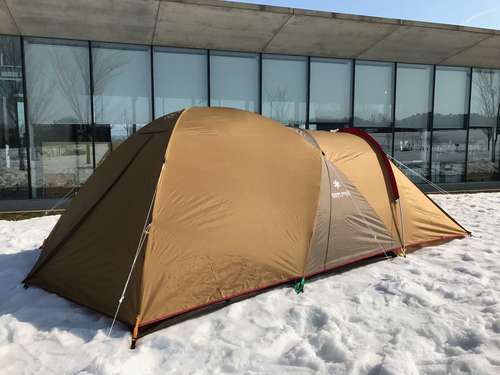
(435, 312)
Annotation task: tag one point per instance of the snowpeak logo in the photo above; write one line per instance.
(341, 194)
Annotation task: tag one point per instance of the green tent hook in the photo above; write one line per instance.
(299, 286)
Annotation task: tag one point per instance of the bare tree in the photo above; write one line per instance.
(488, 86)
(72, 80)
(278, 102)
(39, 90)
(11, 90)
(105, 68)
(488, 89)
(72, 69)
(12, 86)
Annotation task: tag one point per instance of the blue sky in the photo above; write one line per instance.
(479, 13)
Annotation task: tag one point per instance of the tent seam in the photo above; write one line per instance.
(329, 211)
(323, 163)
(315, 221)
(163, 168)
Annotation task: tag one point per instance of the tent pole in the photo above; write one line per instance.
(142, 240)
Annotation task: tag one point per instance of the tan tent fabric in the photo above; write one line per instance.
(355, 158)
(322, 225)
(424, 221)
(91, 192)
(92, 247)
(356, 230)
(239, 204)
(251, 205)
(346, 226)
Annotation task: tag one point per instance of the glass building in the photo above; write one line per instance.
(66, 104)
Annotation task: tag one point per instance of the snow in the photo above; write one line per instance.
(435, 312)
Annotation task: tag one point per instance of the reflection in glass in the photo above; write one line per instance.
(413, 96)
(122, 91)
(451, 100)
(180, 79)
(485, 100)
(383, 136)
(448, 155)
(234, 80)
(13, 163)
(57, 84)
(373, 94)
(328, 126)
(331, 86)
(411, 147)
(284, 88)
(484, 154)
(484, 149)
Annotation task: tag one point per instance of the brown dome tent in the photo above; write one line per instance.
(208, 205)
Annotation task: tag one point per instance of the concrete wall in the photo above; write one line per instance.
(246, 27)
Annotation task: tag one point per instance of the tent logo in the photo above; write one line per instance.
(341, 194)
(336, 184)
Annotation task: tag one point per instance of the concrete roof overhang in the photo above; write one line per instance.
(246, 27)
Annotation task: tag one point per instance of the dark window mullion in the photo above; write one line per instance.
(308, 93)
(151, 63)
(394, 87)
(91, 90)
(431, 122)
(26, 119)
(260, 83)
(353, 86)
(497, 130)
(467, 125)
(208, 78)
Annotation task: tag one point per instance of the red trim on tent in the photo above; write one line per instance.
(282, 282)
(378, 149)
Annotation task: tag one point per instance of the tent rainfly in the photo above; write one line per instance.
(206, 206)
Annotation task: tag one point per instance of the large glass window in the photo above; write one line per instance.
(451, 107)
(413, 96)
(234, 80)
(414, 87)
(284, 88)
(373, 94)
(484, 149)
(451, 102)
(373, 100)
(122, 92)
(57, 83)
(330, 93)
(180, 79)
(485, 100)
(13, 162)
